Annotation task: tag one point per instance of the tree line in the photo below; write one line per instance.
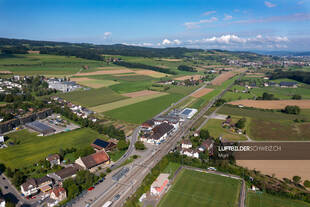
(300, 76)
(143, 66)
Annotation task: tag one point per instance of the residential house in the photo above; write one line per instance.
(54, 159)
(148, 125)
(160, 184)
(207, 145)
(34, 185)
(58, 194)
(190, 153)
(100, 144)
(30, 187)
(2, 202)
(65, 173)
(186, 144)
(94, 161)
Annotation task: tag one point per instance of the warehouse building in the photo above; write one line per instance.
(40, 127)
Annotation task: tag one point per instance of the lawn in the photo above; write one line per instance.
(126, 102)
(268, 125)
(142, 111)
(115, 155)
(192, 188)
(214, 126)
(172, 168)
(33, 148)
(184, 90)
(92, 97)
(266, 200)
(283, 93)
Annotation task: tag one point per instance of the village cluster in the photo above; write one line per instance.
(49, 189)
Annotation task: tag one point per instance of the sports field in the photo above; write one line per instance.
(266, 200)
(92, 97)
(33, 148)
(139, 112)
(192, 188)
(125, 102)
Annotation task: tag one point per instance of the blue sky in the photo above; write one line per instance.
(225, 24)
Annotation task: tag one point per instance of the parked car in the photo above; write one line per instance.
(91, 188)
(212, 168)
(116, 197)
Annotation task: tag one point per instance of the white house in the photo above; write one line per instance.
(186, 144)
(190, 153)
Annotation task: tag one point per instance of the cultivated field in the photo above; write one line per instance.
(171, 60)
(279, 167)
(93, 97)
(201, 92)
(267, 200)
(151, 73)
(195, 77)
(105, 72)
(192, 188)
(33, 148)
(222, 78)
(94, 83)
(139, 112)
(126, 102)
(274, 104)
(140, 93)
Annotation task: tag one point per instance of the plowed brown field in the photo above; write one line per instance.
(201, 92)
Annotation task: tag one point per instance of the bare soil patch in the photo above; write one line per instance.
(195, 77)
(140, 93)
(106, 72)
(5, 72)
(150, 73)
(281, 168)
(33, 52)
(274, 104)
(222, 78)
(111, 68)
(201, 92)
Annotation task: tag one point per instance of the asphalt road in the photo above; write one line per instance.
(10, 192)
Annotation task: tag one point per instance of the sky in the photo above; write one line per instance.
(207, 24)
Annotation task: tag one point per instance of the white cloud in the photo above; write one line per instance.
(192, 25)
(227, 17)
(171, 42)
(166, 42)
(224, 39)
(209, 12)
(106, 35)
(269, 4)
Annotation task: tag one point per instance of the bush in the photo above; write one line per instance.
(186, 68)
(122, 144)
(291, 110)
(296, 179)
(296, 97)
(307, 183)
(241, 123)
(139, 145)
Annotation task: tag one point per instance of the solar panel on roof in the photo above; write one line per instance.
(101, 143)
(186, 111)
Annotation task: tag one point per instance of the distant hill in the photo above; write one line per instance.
(284, 53)
(89, 51)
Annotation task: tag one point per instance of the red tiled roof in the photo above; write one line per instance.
(58, 190)
(95, 159)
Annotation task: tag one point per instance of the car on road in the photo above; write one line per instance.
(91, 188)
(6, 187)
(211, 168)
(3, 178)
